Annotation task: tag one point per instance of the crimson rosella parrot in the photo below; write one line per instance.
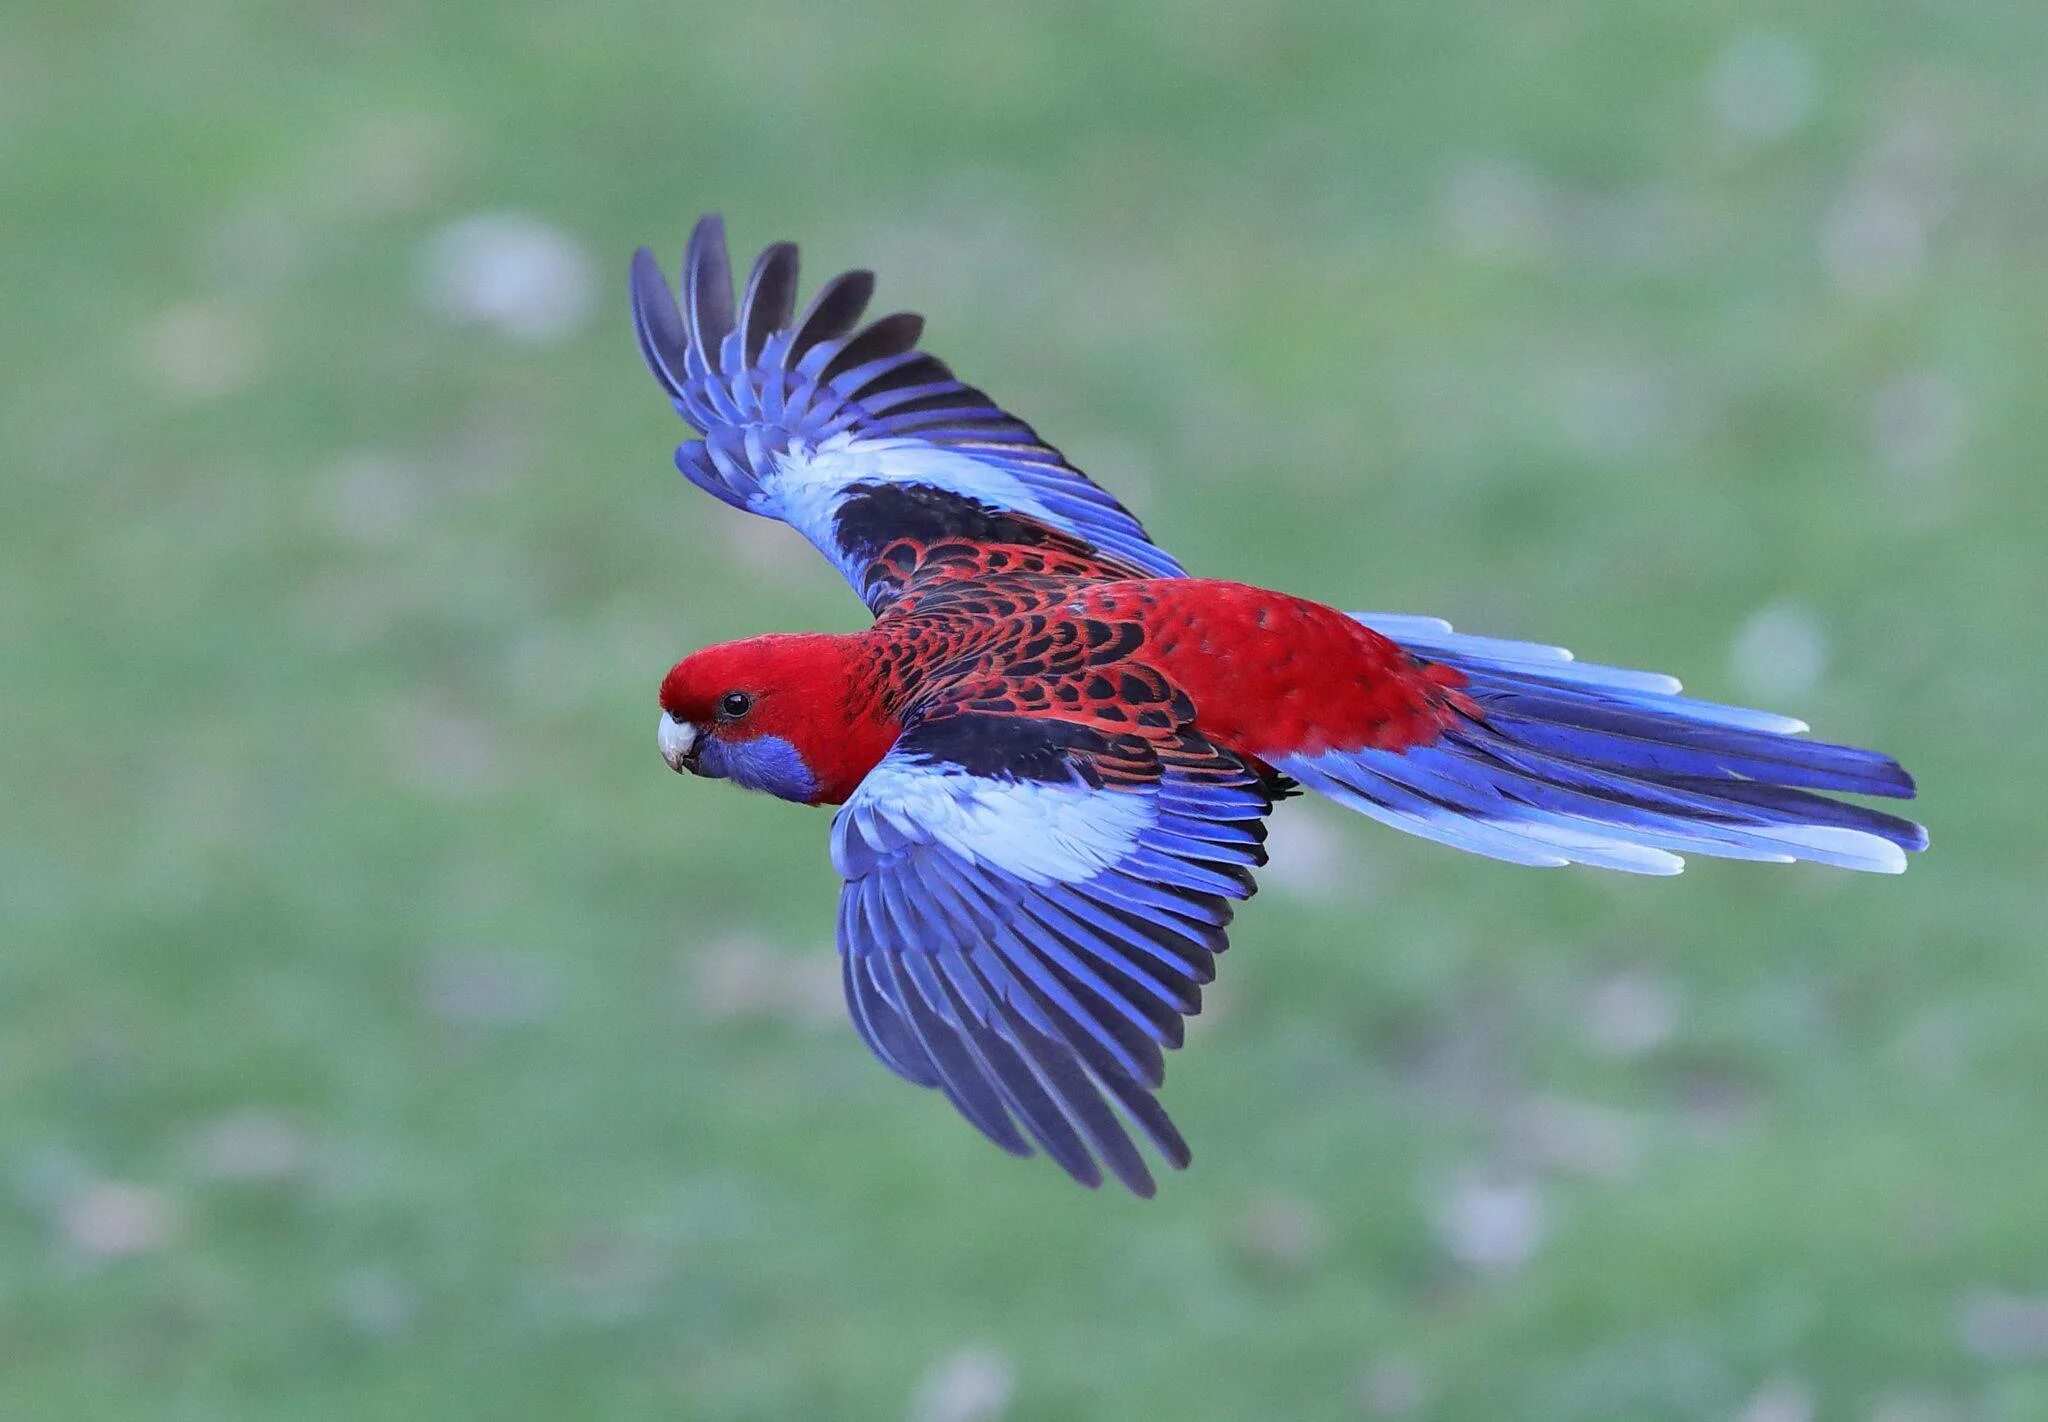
(1053, 751)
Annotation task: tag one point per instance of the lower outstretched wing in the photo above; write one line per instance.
(1031, 907)
(855, 437)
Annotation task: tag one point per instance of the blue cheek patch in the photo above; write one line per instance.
(767, 763)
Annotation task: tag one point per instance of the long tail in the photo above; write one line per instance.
(1568, 762)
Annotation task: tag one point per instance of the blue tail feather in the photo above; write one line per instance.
(1569, 762)
(1642, 736)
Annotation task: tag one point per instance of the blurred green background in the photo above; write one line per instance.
(385, 1032)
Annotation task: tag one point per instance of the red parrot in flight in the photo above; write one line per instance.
(1054, 750)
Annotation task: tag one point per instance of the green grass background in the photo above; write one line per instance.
(384, 1032)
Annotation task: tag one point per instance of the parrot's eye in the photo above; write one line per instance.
(735, 704)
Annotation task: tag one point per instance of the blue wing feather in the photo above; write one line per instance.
(1028, 943)
(795, 413)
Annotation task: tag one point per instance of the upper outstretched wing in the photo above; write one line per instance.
(1031, 907)
(855, 438)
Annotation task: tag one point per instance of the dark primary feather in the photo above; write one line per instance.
(832, 312)
(708, 281)
(889, 336)
(664, 343)
(770, 298)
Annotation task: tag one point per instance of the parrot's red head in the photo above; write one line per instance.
(788, 713)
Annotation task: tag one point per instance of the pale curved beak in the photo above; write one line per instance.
(678, 741)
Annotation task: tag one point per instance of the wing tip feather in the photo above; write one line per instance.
(707, 277)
